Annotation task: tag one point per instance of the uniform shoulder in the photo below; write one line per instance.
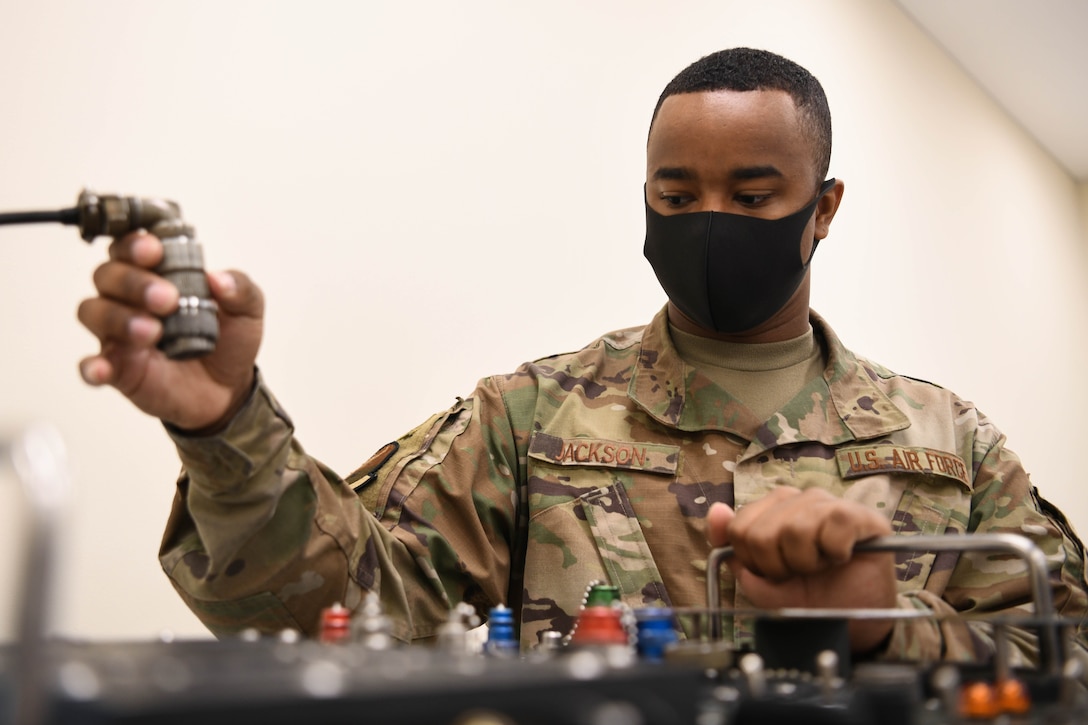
(918, 394)
(624, 339)
(603, 363)
(882, 373)
(932, 407)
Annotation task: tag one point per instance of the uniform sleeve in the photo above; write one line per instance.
(262, 535)
(996, 586)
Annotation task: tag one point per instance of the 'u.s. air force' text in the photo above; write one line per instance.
(866, 460)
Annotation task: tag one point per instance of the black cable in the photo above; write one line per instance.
(64, 216)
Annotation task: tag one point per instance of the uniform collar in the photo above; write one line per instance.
(844, 405)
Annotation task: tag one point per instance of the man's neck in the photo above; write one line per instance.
(789, 323)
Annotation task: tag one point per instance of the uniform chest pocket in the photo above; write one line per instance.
(595, 537)
(584, 482)
(583, 527)
(934, 497)
(563, 470)
(928, 507)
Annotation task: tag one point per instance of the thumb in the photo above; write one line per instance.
(719, 518)
(236, 294)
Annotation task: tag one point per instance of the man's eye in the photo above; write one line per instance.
(675, 200)
(752, 199)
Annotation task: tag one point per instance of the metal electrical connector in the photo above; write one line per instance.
(193, 330)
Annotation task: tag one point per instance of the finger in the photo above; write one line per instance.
(139, 248)
(236, 294)
(718, 521)
(111, 321)
(756, 530)
(761, 551)
(751, 516)
(846, 524)
(96, 370)
(818, 531)
(797, 549)
(136, 287)
(784, 541)
(105, 368)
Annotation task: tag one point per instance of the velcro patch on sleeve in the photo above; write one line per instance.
(857, 461)
(650, 457)
(367, 472)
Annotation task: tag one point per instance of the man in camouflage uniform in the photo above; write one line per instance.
(735, 416)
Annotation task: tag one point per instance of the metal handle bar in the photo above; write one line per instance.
(1015, 544)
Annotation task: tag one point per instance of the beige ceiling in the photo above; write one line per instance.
(1030, 55)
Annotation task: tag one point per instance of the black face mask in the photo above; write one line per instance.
(729, 272)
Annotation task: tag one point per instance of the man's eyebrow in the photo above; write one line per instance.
(746, 173)
(673, 173)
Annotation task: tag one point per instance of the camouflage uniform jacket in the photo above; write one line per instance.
(600, 465)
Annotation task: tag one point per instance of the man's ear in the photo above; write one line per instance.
(826, 208)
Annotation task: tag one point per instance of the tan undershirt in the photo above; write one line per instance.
(763, 376)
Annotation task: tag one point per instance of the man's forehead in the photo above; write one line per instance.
(743, 129)
(721, 105)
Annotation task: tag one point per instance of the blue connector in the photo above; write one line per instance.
(500, 633)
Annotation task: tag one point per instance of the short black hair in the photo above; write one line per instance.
(748, 69)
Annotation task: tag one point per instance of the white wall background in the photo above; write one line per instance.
(429, 192)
